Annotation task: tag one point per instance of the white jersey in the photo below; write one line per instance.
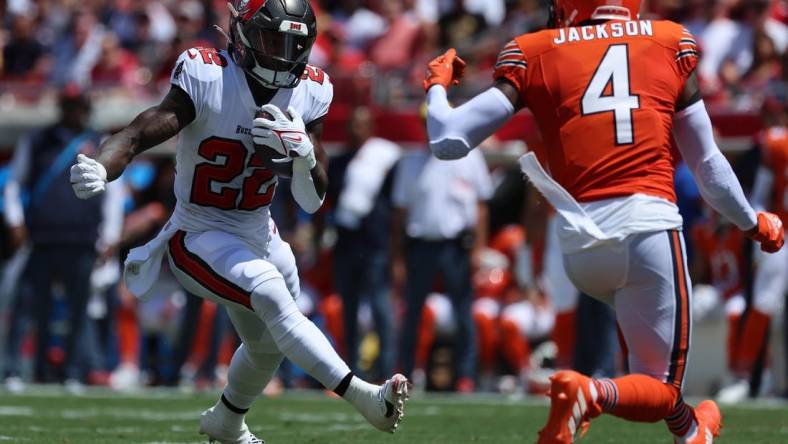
(220, 184)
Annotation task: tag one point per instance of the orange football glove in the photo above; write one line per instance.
(769, 232)
(447, 69)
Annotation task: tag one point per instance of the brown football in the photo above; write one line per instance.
(267, 154)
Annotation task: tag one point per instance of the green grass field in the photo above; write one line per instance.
(49, 416)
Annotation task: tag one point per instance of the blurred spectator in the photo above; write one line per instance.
(23, 53)
(361, 25)
(767, 67)
(597, 339)
(116, 66)
(493, 11)
(78, 52)
(68, 235)
(695, 15)
(395, 48)
(190, 17)
(441, 209)
(525, 16)
(149, 203)
(360, 182)
(459, 26)
(724, 39)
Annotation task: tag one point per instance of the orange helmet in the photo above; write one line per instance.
(573, 12)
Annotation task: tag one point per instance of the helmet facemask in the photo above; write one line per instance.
(276, 58)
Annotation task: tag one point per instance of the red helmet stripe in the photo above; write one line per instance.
(247, 8)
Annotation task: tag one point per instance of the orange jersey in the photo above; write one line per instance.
(722, 249)
(776, 159)
(603, 97)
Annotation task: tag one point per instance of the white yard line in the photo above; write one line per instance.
(319, 417)
(174, 442)
(119, 430)
(139, 414)
(15, 411)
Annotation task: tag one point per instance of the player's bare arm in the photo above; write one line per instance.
(510, 92)
(691, 94)
(149, 129)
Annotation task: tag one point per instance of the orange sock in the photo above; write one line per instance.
(564, 338)
(128, 334)
(750, 341)
(487, 338)
(426, 337)
(202, 335)
(638, 398)
(733, 340)
(514, 347)
(226, 349)
(331, 309)
(641, 398)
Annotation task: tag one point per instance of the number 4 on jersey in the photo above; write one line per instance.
(613, 71)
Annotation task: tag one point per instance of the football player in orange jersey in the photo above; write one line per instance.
(608, 91)
(770, 192)
(720, 261)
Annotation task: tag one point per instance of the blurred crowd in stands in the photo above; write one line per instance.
(131, 45)
(494, 300)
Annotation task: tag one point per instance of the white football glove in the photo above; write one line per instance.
(88, 177)
(286, 135)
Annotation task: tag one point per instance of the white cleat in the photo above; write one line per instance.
(15, 385)
(211, 425)
(125, 378)
(386, 407)
(734, 393)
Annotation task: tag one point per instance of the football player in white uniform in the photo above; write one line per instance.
(221, 242)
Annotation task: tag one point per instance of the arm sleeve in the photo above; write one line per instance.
(717, 183)
(302, 187)
(12, 193)
(454, 132)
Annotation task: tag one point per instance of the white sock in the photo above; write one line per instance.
(230, 419)
(691, 433)
(296, 336)
(249, 373)
(358, 393)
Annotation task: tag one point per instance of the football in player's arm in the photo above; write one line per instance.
(453, 132)
(307, 160)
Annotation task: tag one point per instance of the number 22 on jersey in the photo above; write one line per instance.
(226, 161)
(613, 70)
